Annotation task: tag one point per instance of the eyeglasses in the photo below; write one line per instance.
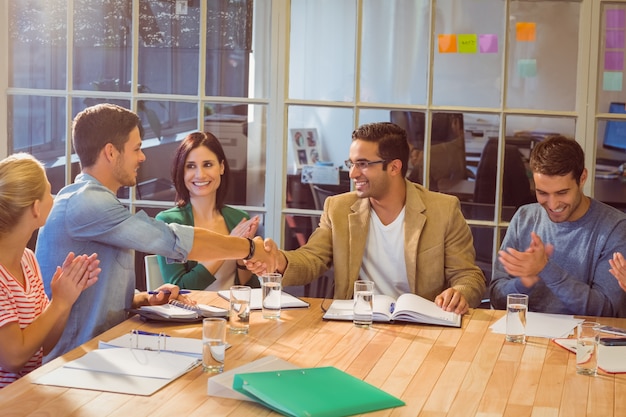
(361, 165)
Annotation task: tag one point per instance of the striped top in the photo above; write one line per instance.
(22, 305)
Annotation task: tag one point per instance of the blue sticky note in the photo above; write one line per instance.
(612, 81)
(527, 68)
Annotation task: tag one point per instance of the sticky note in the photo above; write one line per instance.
(614, 60)
(527, 68)
(526, 31)
(612, 81)
(468, 43)
(447, 44)
(614, 39)
(616, 18)
(488, 44)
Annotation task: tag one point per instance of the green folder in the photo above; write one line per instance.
(313, 392)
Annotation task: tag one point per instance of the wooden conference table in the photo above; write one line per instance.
(437, 371)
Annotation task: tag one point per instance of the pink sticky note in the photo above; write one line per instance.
(614, 39)
(616, 18)
(613, 61)
(488, 44)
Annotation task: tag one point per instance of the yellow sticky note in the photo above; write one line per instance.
(468, 43)
(447, 44)
(526, 31)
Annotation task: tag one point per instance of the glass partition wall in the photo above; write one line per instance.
(282, 84)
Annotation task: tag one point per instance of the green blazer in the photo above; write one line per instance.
(192, 275)
(438, 246)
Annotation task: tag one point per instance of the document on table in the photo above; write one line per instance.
(180, 345)
(286, 300)
(611, 359)
(542, 325)
(122, 370)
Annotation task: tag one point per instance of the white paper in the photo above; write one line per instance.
(542, 325)
(127, 371)
(256, 299)
(222, 385)
(180, 345)
(320, 174)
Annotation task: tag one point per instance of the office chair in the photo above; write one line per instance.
(447, 151)
(319, 195)
(154, 279)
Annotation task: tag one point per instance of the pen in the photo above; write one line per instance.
(169, 292)
(143, 332)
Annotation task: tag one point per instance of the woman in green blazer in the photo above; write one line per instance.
(200, 173)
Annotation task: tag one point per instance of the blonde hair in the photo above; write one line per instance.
(22, 181)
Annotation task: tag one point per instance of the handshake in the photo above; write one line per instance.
(267, 257)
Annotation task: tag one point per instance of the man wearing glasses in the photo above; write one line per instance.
(388, 230)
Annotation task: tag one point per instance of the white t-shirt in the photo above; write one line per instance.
(383, 260)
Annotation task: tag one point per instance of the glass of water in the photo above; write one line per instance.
(239, 311)
(587, 348)
(516, 308)
(363, 298)
(213, 344)
(271, 285)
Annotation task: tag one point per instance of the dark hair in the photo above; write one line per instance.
(191, 142)
(391, 139)
(558, 155)
(98, 125)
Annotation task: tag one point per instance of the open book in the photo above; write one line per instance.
(256, 299)
(408, 307)
(177, 311)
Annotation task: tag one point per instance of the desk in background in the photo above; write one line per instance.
(437, 371)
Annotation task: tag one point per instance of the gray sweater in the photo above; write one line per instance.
(576, 279)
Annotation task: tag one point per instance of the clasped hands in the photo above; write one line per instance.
(527, 264)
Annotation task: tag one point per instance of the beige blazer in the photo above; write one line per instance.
(438, 246)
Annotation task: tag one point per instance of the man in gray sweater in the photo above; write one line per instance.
(558, 250)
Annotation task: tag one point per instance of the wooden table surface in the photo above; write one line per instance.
(437, 371)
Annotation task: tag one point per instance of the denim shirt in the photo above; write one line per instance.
(87, 217)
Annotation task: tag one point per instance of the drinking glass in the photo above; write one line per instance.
(271, 285)
(587, 348)
(213, 344)
(516, 308)
(239, 311)
(363, 298)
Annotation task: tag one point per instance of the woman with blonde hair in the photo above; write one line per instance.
(30, 323)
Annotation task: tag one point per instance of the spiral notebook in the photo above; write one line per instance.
(177, 311)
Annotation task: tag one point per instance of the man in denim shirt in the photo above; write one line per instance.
(87, 217)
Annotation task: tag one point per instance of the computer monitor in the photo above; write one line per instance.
(615, 131)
